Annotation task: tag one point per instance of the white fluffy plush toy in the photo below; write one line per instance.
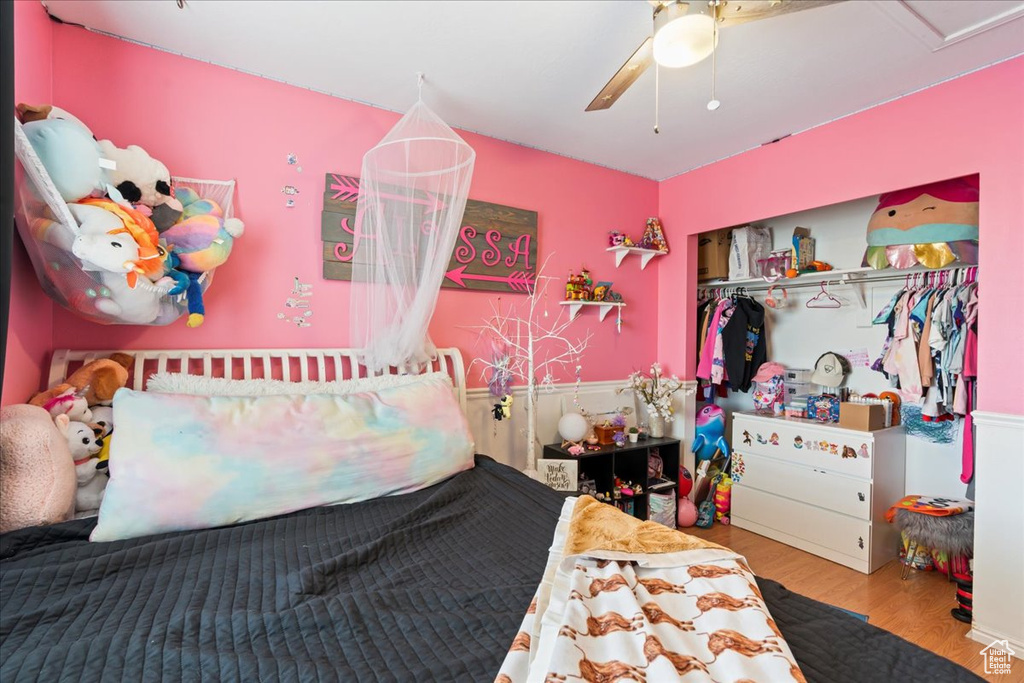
(84, 446)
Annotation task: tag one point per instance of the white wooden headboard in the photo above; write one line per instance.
(290, 365)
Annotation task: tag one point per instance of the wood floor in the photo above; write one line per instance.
(916, 609)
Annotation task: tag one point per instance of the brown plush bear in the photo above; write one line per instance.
(96, 381)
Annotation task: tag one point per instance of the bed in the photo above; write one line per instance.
(426, 586)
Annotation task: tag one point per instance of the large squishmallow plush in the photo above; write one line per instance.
(930, 225)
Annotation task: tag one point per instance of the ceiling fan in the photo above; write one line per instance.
(686, 33)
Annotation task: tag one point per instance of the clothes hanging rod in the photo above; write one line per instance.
(858, 277)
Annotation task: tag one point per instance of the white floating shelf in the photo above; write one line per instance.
(645, 254)
(604, 306)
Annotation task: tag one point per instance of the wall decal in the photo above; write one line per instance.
(299, 310)
(496, 249)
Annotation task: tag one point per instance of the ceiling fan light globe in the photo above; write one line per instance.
(683, 40)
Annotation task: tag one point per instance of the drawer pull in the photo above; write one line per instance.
(860, 542)
(860, 497)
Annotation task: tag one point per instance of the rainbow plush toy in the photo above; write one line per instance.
(201, 241)
(930, 225)
(203, 237)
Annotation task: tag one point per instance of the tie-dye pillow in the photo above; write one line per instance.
(193, 462)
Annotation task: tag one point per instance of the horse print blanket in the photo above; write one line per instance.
(625, 600)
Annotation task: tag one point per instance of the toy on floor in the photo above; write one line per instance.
(723, 499)
(706, 510)
(686, 515)
(37, 477)
(710, 433)
(685, 482)
(84, 446)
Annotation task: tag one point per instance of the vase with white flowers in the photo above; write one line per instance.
(655, 393)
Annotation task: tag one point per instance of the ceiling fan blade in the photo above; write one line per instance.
(741, 11)
(625, 76)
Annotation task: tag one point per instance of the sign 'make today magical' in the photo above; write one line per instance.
(496, 249)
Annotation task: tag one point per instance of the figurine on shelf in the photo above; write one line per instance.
(654, 236)
(579, 287)
(615, 238)
(627, 241)
(601, 291)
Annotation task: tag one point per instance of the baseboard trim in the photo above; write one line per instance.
(982, 417)
(985, 637)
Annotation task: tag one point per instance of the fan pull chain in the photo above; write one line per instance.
(713, 103)
(657, 92)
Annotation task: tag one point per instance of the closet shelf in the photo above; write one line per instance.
(645, 254)
(604, 307)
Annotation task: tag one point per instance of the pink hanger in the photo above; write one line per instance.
(828, 302)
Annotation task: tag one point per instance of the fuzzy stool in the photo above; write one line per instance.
(951, 535)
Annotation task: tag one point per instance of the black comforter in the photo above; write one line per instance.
(429, 586)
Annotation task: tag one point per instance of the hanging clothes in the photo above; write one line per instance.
(930, 352)
(714, 329)
(744, 343)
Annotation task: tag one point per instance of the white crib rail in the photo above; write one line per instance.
(311, 364)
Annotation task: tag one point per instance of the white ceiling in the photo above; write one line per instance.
(525, 71)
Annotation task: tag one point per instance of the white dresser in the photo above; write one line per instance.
(818, 487)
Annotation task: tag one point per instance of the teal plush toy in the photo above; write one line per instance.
(71, 157)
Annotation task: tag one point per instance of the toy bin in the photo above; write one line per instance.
(47, 229)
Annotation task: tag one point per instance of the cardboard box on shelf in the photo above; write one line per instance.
(713, 254)
(862, 417)
(803, 248)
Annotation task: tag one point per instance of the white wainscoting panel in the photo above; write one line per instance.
(999, 530)
(505, 441)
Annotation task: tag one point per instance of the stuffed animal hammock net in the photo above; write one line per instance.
(47, 228)
(412, 194)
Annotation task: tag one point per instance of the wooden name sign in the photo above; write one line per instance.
(496, 249)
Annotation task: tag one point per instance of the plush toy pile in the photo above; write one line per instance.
(80, 409)
(142, 242)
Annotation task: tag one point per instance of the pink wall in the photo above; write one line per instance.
(211, 122)
(969, 125)
(30, 332)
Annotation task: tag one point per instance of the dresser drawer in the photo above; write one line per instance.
(843, 534)
(816, 487)
(843, 451)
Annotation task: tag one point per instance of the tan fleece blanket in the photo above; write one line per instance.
(597, 526)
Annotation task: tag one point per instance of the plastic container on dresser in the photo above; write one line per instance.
(819, 487)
